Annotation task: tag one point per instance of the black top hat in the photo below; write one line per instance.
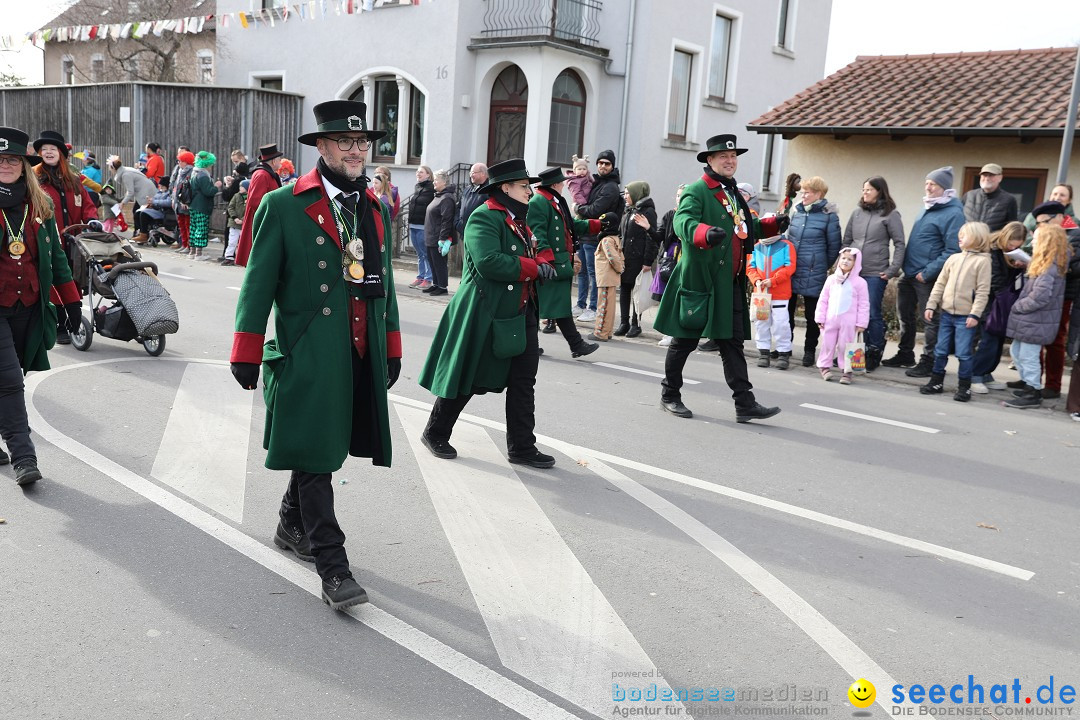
(551, 176)
(719, 143)
(337, 116)
(269, 152)
(504, 172)
(1050, 207)
(14, 142)
(51, 137)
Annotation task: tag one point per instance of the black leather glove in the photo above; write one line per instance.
(247, 374)
(715, 235)
(783, 222)
(545, 271)
(393, 371)
(95, 226)
(74, 316)
(609, 223)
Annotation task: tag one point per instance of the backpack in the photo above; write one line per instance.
(183, 193)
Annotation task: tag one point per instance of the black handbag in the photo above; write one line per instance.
(667, 265)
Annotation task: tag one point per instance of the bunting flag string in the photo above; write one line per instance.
(301, 11)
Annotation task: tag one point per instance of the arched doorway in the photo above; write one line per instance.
(506, 126)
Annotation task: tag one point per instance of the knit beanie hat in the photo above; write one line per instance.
(942, 176)
(748, 189)
(186, 157)
(204, 159)
(245, 183)
(579, 161)
(608, 155)
(638, 189)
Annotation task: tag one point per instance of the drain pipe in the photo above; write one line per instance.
(626, 79)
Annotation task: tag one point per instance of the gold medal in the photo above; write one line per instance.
(356, 271)
(78, 201)
(356, 249)
(16, 248)
(741, 231)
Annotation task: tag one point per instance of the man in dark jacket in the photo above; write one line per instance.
(472, 198)
(933, 239)
(603, 198)
(989, 203)
(1053, 363)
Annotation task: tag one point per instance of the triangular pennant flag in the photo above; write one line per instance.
(243, 20)
(125, 31)
(158, 27)
(93, 32)
(84, 33)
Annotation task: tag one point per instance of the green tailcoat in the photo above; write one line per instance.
(554, 235)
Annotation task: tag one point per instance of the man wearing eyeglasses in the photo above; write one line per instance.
(320, 257)
(264, 179)
(604, 198)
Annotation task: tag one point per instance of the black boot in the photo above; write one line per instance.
(925, 368)
(936, 385)
(900, 359)
(963, 392)
(583, 348)
(783, 361)
(62, 336)
(549, 326)
(809, 356)
(1031, 398)
(757, 411)
(26, 472)
(291, 537)
(624, 327)
(873, 359)
(676, 407)
(763, 358)
(342, 591)
(634, 330)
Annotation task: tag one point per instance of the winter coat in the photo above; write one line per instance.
(496, 280)
(638, 244)
(933, 238)
(555, 233)
(439, 218)
(717, 271)
(1072, 277)
(262, 182)
(179, 175)
(775, 261)
(54, 277)
(963, 286)
(132, 186)
(295, 268)
(1036, 314)
(155, 168)
(203, 192)
(815, 233)
(996, 209)
(421, 198)
(235, 211)
(470, 200)
(579, 186)
(609, 261)
(604, 197)
(162, 200)
(94, 173)
(80, 208)
(845, 302)
(872, 233)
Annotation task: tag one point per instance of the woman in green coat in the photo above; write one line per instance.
(203, 191)
(554, 232)
(487, 338)
(32, 262)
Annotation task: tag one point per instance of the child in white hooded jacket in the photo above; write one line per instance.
(843, 311)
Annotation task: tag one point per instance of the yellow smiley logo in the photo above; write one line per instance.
(862, 693)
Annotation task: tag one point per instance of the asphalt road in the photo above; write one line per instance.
(916, 542)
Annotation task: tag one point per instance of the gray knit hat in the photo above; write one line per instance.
(942, 176)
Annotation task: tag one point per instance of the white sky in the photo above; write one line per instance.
(859, 27)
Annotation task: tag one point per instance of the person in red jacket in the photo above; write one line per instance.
(263, 179)
(70, 199)
(155, 165)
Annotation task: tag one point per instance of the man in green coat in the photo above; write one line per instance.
(554, 227)
(706, 295)
(487, 338)
(320, 259)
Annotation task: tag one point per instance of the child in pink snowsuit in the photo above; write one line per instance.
(580, 183)
(843, 312)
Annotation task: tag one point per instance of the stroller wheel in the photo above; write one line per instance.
(81, 340)
(155, 345)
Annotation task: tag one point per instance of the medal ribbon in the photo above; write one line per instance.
(13, 237)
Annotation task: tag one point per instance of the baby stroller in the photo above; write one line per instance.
(106, 267)
(160, 225)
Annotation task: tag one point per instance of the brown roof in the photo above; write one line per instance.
(1014, 92)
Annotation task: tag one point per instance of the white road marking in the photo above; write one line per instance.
(499, 688)
(871, 418)
(162, 273)
(813, 515)
(839, 646)
(547, 619)
(642, 372)
(204, 448)
(230, 287)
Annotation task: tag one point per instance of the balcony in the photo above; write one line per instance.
(569, 24)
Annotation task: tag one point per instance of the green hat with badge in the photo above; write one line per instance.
(14, 142)
(340, 116)
(720, 143)
(504, 172)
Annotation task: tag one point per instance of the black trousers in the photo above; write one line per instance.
(569, 330)
(731, 354)
(15, 325)
(520, 397)
(437, 263)
(626, 296)
(813, 332)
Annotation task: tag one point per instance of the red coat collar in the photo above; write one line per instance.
(310, 180)
(494, 204)
(709, 182)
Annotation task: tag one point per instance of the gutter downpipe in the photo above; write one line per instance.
(1070, 125)
(626, 80)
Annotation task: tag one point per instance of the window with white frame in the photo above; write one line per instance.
(785, 25)
(67, 70)
(204, 67)
(767, 180)
(97, 68)
(720, 57)
(682, 67)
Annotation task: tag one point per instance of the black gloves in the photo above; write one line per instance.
(393, 370)
(609, 222)
(74, 316)
(247, 374)
(782, 223)
(714, 236)
(545, 271)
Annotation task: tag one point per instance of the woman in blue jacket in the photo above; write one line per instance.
(815, 233)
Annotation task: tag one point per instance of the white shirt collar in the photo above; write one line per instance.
(332, 190)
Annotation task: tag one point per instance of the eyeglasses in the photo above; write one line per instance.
(1046, 221)
(602, 162)
(346, 143)
(10, 160)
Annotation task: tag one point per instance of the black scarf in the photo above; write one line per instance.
(57, 181)
(520, 211)
(13, 203)
(373, 282)
(732, 186)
